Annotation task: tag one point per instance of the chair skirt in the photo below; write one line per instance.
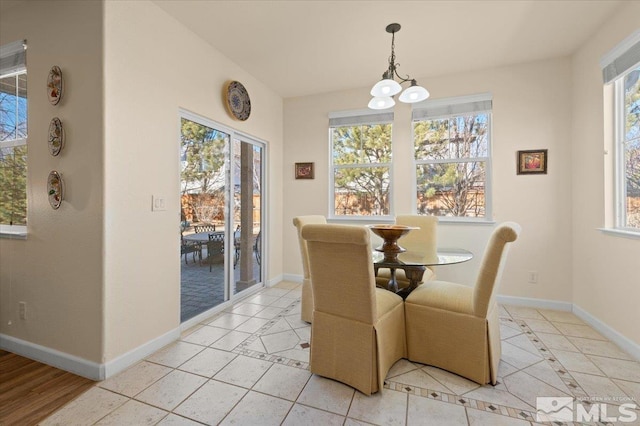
(457, 342)
(357, 354)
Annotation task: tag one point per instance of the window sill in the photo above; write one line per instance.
(462, 221)
(360, 219)
(13, 235)
(388, 219)
(620, 233)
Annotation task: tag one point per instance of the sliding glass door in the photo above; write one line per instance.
(221, 241)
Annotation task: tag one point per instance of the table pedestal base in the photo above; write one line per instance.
(414, 274)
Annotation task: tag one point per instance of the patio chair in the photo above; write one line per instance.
(215, 247)
(187, 247)
(256, 248)
(205, 228)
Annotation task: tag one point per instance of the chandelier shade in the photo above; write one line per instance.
(414, 93)
(386, 87)
(384, 90)
(381, 102)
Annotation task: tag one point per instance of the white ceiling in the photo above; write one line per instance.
(303, 47)
(306, 47)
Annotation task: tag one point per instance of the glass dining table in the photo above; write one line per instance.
(414, 265)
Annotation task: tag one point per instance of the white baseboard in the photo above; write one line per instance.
(97, 371)
(293, 278)
(64, 361)
(535, 303)
(80, 366)
(126, 360)
(626, 344)
(275, 280)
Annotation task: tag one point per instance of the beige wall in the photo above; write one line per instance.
(606, 278)
(531, 109)
(154, 66)
(101, 276)
(57, 270)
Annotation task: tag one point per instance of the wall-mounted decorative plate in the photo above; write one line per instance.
(55, 85)
(56, 136)
(238, 101)
(55, 189)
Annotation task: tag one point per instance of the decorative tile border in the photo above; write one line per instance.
(242, 347)
(493, 408)
(464, 401)
(563, 374)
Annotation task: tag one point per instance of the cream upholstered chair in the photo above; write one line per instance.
(455, 327)
(306, 300)
(357, 332)
(421, 240)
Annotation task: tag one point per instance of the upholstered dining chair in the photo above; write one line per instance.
(455, 327)
(421, 240)
(357, 332)
(306, 298)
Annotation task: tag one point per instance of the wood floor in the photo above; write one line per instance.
(31, 391)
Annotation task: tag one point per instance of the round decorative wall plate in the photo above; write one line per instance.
(55, 189)
(55, 85)
(56, 136)
(238, 101)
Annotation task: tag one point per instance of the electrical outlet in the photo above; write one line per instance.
(22, 310)
(533, 277)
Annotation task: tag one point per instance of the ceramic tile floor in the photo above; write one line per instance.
(249, 366)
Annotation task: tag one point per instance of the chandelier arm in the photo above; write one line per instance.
(402, 80)
(393, 66)
(384, 90)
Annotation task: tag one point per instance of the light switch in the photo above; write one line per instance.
(158, 203)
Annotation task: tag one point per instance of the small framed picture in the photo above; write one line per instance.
(533, 161)
(304, 170)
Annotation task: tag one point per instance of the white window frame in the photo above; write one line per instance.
(620, 150)
(13, 64)
(354, 118)
(450, 108)
(616, 64)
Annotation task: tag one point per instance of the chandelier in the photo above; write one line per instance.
(384, 90)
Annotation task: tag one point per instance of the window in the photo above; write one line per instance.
(452, 154)
(360, 164)
(13, 138)
(622, 68)
(628, 149)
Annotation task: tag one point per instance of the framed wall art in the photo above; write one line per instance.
(532, 162)
(304, 171)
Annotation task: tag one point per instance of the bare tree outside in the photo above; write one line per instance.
(632, 148)
(13, 150)
(451, 155)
